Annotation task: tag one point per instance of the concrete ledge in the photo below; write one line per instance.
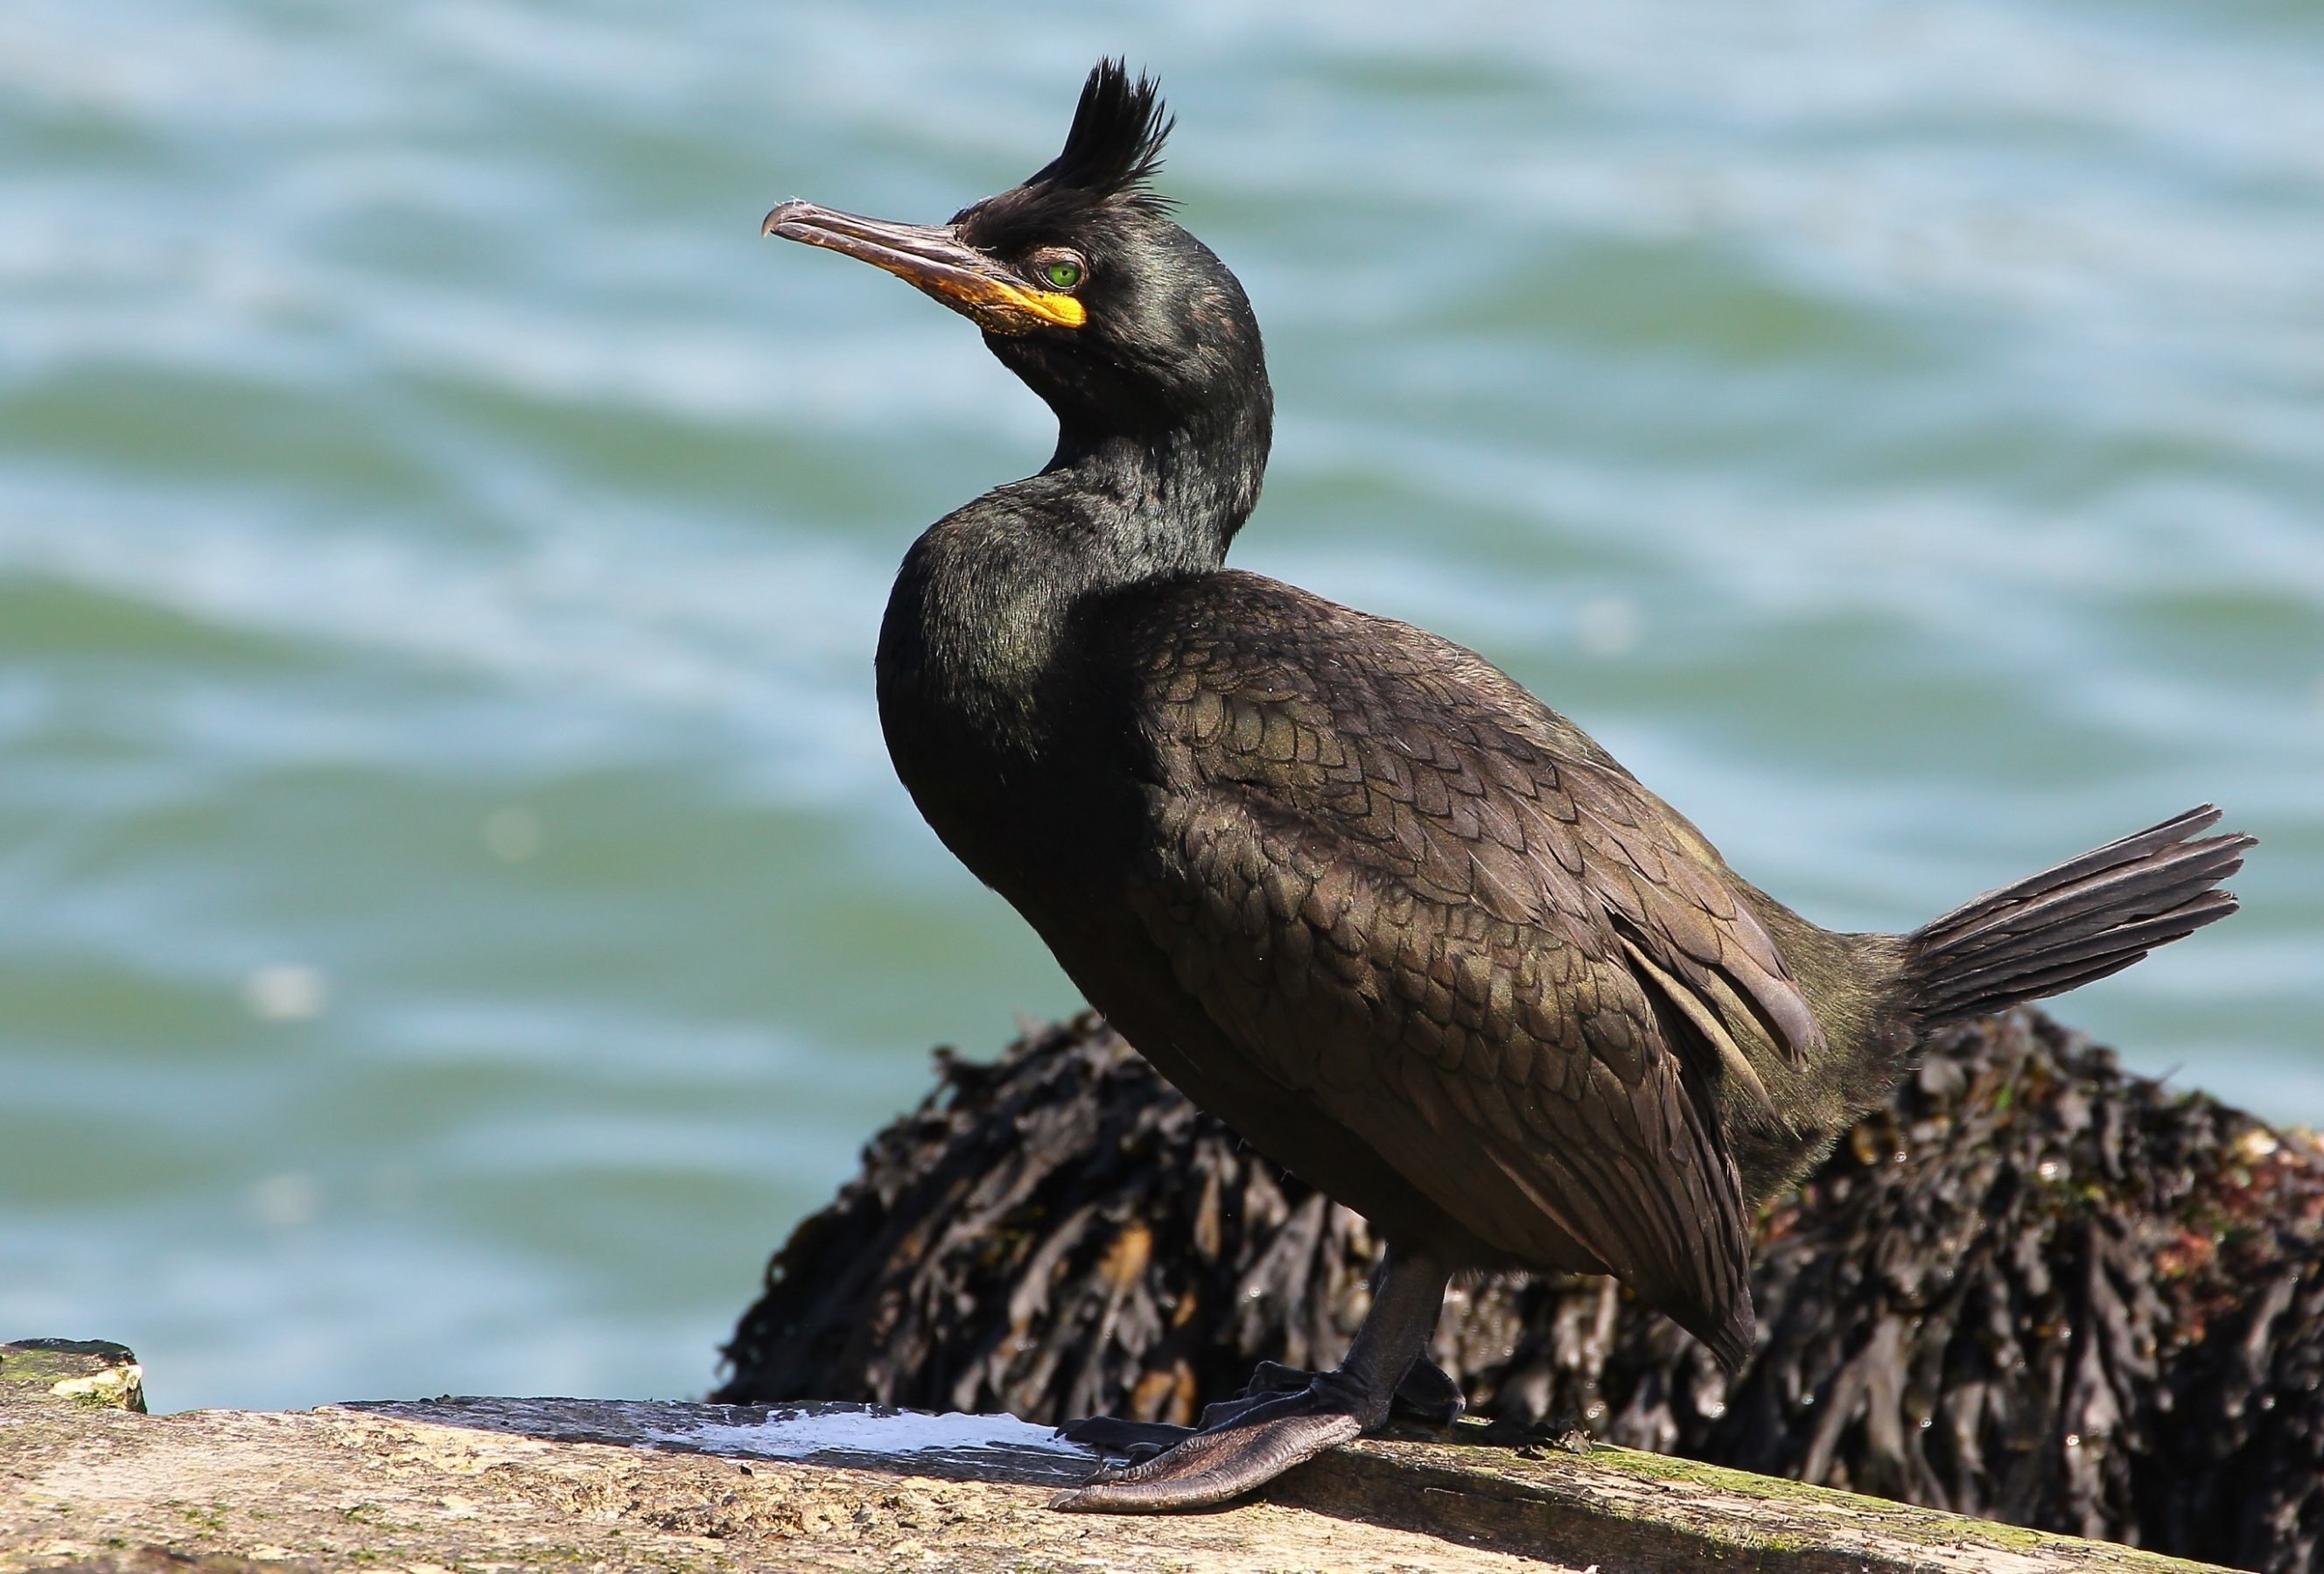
(524, 1484)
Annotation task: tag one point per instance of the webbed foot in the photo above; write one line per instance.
(1285, 1415)
(1133, 1439)
(1267, 1436)
(1428, 1393)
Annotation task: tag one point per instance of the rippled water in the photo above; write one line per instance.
(455, 912)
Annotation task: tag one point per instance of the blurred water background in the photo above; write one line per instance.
(455, 910)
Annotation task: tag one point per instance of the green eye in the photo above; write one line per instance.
(1062, 273)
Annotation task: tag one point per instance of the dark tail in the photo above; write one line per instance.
(2087, 917)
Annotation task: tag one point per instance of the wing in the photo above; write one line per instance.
(1412, 894)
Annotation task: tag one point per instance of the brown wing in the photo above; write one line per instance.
(1415, 895)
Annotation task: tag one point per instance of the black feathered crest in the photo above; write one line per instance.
(1116, 143)
(1114, 147)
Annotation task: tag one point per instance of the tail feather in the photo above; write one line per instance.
(2070, 958)
(2098, 897)
(2076, 922)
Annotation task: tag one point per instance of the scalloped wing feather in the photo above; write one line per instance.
(1419, 897)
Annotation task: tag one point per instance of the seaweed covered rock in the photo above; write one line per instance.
(2033, 1288)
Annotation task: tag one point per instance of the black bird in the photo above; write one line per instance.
(1404, 928)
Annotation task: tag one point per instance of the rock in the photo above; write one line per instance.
(2033, 1288)
(74, 1371)
(583, 1485)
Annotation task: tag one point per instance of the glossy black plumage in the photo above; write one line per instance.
(1427, 904)
(1409, 931)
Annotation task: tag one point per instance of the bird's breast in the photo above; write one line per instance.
(969, 717)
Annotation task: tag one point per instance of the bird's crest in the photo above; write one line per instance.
(1116, 143)
(1114, 147)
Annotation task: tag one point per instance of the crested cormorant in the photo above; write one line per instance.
(1407, 930)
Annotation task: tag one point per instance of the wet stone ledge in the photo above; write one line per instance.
(87, 1481)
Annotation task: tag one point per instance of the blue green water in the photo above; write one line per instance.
(455, 911)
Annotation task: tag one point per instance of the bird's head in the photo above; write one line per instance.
(1082, 283)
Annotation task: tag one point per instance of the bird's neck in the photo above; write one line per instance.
(1165, 501)
(982, 611)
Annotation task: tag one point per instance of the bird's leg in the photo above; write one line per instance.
(1248, 1442)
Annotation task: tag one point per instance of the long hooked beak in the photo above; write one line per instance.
(933, 257)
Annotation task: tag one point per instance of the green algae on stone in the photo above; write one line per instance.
(97, 1373)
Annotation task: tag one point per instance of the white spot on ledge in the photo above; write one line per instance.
(797, 1435)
